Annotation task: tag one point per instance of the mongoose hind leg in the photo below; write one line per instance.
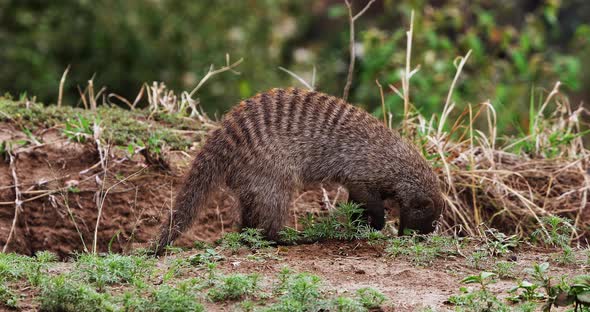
(372, 204)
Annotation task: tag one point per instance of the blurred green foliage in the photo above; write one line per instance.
(517, 46)
(125, 43)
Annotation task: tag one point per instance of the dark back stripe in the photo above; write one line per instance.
(341, 108)
(278, 109)
(295, 110)
(345, 118)
(252, 115)
(290, 104)
(331, 107)
(301, 121)
(232, 132)
(314, 119)
(241, 123)
(266, 107)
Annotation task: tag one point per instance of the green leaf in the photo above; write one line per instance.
(471, 279)
(485, 275)
(584, 297)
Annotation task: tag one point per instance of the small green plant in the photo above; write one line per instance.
(297, 292)
(247, 305)
(251, 238)
(345, 304)
(478, 300)
(8, 297)
(525, 291)
(111, 269)
(80, 129)
(477, 257)
(201, 245)
(344, 223)
(62, 294)
(567, 256)
(172, 299)
(421, 250)
(556, 294)
(211, 273)
(209, 255)
(372, 236)
(483, 279)
(235, 287)
(231, 241)
(175, 269)
(580, 292)
(254, 239)
(498, 243)
(557, 231)
(12, 266)
(370, 298)
(504, 269)
(35, 268)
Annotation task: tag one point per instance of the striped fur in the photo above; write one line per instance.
(273, 143)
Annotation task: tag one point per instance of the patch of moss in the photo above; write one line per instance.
(119, 126)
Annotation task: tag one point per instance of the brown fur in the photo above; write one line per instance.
(276, 141)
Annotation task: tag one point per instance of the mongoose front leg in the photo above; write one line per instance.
(372, 204)
(264, 203)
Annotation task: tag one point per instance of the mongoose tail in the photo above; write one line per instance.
(203, 176)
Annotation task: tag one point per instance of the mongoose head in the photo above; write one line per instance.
(419, 200)
(419, 212)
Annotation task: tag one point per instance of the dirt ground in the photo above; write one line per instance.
(347, 266)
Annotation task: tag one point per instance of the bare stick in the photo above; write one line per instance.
(294, 75)
(352, 19)
(61, 86)
(17, 200)
(382, 103)
(213, 72)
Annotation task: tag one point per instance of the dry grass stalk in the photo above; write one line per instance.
(383, 110)
(310, 86)
(125, 101)
(101, 196)
(212, 72)
(61, 86)
(17, 200)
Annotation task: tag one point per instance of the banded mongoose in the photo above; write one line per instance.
(273, 143)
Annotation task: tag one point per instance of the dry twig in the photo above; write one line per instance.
(351, 20)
